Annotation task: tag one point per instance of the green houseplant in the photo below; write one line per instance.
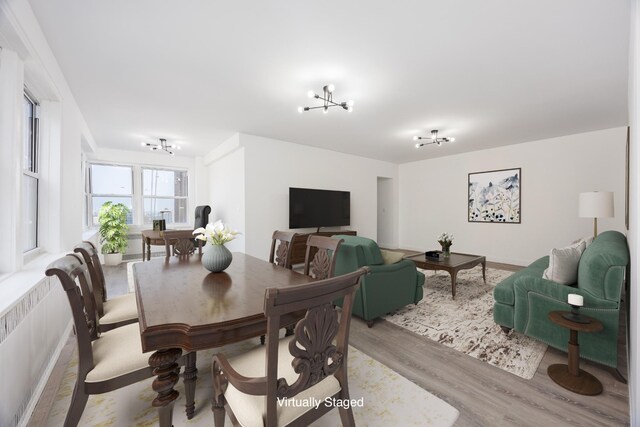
(113, 231)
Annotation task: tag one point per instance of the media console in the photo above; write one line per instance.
(300, 243)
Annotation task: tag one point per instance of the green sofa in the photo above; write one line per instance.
(386, 287)
(523, 300)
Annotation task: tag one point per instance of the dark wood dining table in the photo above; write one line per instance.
(184, 307)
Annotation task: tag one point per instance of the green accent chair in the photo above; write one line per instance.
(387, 287)
(524, 300)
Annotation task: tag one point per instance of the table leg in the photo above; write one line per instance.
(190, 377)
(570, 376)
(165, 367)
(148, 249)
(573, 349)
(484, 267)
(454, 274)
(143, 243)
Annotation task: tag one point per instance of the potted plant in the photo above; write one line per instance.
(113, 231)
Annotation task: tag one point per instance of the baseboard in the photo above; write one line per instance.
(37, 392)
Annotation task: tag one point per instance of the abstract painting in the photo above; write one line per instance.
(494, 196)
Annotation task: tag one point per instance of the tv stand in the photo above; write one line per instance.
(299, 250)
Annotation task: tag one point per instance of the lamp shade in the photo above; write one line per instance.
(596, 204)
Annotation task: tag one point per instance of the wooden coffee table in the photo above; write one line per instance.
(452, 264)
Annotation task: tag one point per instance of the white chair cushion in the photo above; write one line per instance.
(251, 410)
(116, 353)
(563, 264)
(119, 309)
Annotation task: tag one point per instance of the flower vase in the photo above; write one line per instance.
(446, 251)
(216, 258)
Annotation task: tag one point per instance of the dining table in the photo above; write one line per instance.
(184, 307)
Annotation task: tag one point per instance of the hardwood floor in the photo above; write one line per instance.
(484, 395)
(488, 396)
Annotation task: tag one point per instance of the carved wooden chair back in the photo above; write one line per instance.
(323, 249)
(75, 280)
(319, 346)
(91, 258)
(282, 254)
(181, 243)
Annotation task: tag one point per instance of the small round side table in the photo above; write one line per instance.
(571, 376)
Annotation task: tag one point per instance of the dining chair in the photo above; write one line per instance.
(323, 249)
(282, 255)
(114, 312)
(310, 364)
(110, 360)
(106, 362)
(181, 243)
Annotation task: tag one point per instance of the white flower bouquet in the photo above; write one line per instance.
(216, 234)
(445, 239)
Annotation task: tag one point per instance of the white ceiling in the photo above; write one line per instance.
(489, 73)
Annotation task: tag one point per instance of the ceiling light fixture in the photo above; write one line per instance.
(162, 146)
(433, 139)
(327, 97)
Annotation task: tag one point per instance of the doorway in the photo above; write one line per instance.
(385, 212)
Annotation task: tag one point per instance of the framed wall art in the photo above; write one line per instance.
(494, 196)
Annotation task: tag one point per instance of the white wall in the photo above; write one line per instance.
(273, 166)
(433, 196)
(226, 176)
(34, 313)
(634, 214)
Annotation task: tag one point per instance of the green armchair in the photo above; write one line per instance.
(387, 287)
(523, 300)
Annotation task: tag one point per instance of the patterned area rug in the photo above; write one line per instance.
(466, 323)
(385, 395)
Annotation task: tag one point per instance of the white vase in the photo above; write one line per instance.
(216, 258)
(112, 259)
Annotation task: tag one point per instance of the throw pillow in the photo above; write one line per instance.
(391, 257)
(563, 264)
(586, 240)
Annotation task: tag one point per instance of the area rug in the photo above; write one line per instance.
(466, 323)
(389, 399)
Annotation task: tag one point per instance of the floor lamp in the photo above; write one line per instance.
(596, 204)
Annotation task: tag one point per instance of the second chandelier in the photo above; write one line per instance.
(328, 102)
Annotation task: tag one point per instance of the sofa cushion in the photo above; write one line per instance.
(372, 255)
(391, 257)
(503, 292)
(563, 264)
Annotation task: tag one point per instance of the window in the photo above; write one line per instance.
(30, 175)
(164, 195)
(109, 183)
(149, 193)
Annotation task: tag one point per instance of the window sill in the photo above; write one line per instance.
(14, 286)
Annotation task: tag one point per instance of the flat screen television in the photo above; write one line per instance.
(318, 208)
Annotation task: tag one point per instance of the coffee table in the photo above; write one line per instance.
(454, 263)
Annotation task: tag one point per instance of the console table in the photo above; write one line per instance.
(151, 237)
(299, 250)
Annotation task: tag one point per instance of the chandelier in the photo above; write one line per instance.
(328, 102)
(162, 146)
(433, 139)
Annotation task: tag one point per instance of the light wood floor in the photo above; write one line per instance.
(484, 395)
